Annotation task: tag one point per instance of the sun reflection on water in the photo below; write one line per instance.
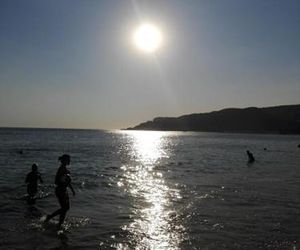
(152, 226)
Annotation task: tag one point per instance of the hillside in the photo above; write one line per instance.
(279, 119)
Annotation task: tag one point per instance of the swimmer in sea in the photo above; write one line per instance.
(251, 158)
(62, 182)
(32, 179)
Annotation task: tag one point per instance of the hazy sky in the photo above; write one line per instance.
(71, 63)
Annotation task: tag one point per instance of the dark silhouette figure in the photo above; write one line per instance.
(32, 179)
(251, 158)
(62, 182)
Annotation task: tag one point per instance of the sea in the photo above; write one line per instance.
(152, 190)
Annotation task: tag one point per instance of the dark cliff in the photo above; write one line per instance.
(279, 119)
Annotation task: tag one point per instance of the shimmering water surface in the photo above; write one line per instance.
(153, 190)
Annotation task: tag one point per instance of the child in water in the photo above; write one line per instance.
(32, 179)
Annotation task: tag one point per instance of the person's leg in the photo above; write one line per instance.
(65, 206)
(58, 211)
(31, 195)
(31, 200)
(62, 218)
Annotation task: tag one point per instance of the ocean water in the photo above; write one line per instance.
(153, 190)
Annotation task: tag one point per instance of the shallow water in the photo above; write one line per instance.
(153, 190)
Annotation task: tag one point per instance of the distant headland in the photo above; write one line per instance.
(274, 120)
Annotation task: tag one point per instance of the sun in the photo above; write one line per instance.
(147, 37)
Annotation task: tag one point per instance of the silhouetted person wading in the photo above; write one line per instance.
(251, 158)
(32, 179)
(62, 182)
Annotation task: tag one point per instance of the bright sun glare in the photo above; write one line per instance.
(147, 37)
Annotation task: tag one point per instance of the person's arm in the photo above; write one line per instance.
(70, 186)
(69, 180)
(40, 178)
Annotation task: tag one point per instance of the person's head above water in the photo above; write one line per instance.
(34, 167)
(65, 159)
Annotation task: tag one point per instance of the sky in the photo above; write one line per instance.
(72, 63)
